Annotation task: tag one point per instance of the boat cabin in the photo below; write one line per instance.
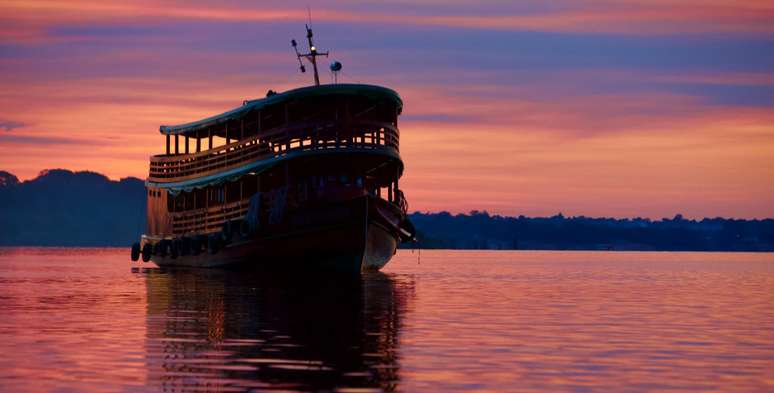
(283, 152)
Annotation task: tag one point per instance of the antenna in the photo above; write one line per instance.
(311, 56)
(300, 64)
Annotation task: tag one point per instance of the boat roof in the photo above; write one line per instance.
(372, 91)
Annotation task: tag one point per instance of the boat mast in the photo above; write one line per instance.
(311, 56)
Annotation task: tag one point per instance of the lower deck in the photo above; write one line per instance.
(356, 235)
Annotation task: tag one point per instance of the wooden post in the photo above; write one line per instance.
(167, 144)
(198, 144)
(397, 176)
(186, 144)
(209, 135)
(227, 140)
(177, 151)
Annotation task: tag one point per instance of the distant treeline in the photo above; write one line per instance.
(64, 208)
(479, 230)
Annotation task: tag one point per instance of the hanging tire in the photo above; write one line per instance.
(244, 229)
(135, 251)
(196, 246)
(203, 243)
(213, 243)
(147, 250)
(163, 247)
(174, 248)
(185, 246)
(227, 232)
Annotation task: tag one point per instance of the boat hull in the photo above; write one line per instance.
(353, 236)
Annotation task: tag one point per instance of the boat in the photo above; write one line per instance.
(306, 179)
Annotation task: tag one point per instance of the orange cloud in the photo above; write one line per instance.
(547, 142)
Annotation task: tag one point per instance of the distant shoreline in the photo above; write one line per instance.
(61, 208)
(406, 249)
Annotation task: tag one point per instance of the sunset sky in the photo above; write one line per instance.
(600, 108)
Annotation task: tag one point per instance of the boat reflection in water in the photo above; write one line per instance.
(229, 330)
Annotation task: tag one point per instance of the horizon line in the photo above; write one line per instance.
(677, 216)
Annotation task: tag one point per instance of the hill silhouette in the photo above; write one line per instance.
(65, 208)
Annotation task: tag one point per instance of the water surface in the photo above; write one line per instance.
(89, 320)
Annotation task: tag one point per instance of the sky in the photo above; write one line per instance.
(599, 108)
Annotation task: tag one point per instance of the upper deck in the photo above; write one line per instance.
(310, 120)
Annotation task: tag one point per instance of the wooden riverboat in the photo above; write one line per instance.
(303, 179)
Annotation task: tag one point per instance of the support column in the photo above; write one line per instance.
(227, 139)
(209, 136)
(397, 175)
(167, 144)
(198, 144)
(186, 144)
(177, 150)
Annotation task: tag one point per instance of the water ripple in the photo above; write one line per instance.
(86, 320)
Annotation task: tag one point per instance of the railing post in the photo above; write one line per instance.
(397, 176)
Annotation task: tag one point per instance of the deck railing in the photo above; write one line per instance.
(211, 219)
(274, 143)
(208, 220)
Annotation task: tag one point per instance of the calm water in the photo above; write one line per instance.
(89, 320)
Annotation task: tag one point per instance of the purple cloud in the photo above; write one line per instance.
(9, 125)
